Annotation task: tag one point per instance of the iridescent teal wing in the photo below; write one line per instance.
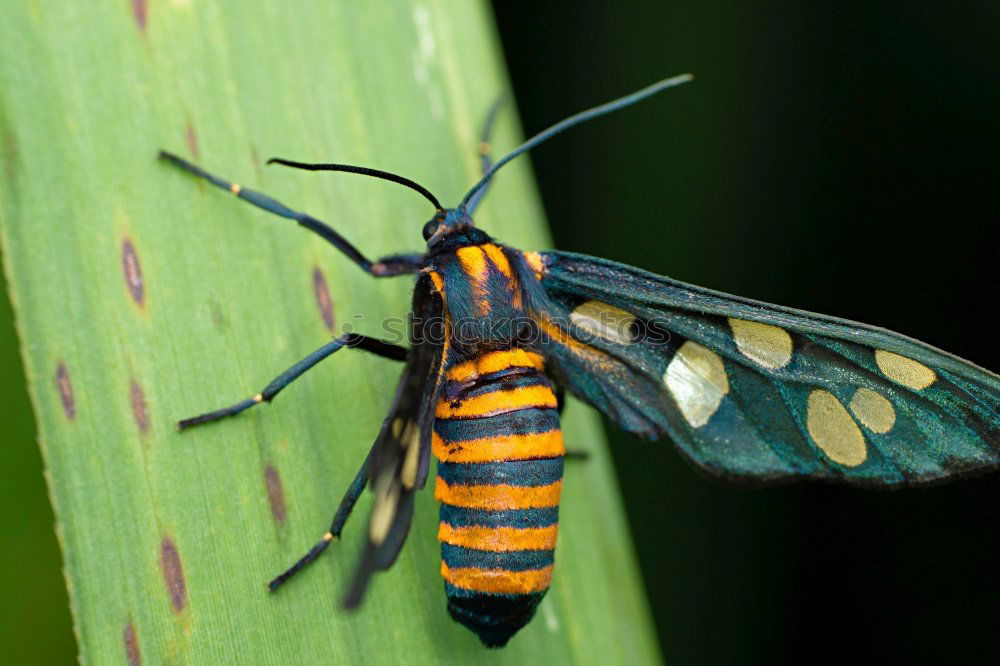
(758, 392)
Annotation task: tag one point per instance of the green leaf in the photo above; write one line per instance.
(143, 296)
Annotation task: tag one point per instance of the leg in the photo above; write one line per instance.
(398, 264)
(343, 513)
(484, 150)
(377, 347)
(394, 265)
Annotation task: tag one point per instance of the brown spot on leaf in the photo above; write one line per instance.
(139, 410)
(140, 10)
(323, 298)
(275, 494)
(131, 645)
(132, 271)
(218, 316)
(173, 574)
(192, 140)
(65, 391)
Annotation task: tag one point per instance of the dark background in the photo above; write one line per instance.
(832, 156)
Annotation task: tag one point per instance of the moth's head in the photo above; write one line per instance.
(445, 223)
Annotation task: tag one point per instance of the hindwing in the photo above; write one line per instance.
(400, 459)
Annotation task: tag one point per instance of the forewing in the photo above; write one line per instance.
(400, 456)
(759, 392)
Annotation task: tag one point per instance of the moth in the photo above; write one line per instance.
(746, 391)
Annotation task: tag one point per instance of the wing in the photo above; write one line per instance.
(400, 457)
(758, 392)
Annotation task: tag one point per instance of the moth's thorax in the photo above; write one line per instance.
(482, 295)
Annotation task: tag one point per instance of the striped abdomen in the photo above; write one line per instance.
(500, 453)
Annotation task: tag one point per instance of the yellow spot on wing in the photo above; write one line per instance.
(408, 474)
(408, 436)
(384, 511)
(833, 430)
(605, 321)
(905, 371)
(873, 410)
(697, 380)
(765, 345)
(409, 439)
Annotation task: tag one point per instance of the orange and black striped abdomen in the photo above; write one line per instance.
(500, 462)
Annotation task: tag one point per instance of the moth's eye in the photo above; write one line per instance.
(429, 229)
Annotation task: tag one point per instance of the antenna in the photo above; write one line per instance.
(364, 171)
(576, 119)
